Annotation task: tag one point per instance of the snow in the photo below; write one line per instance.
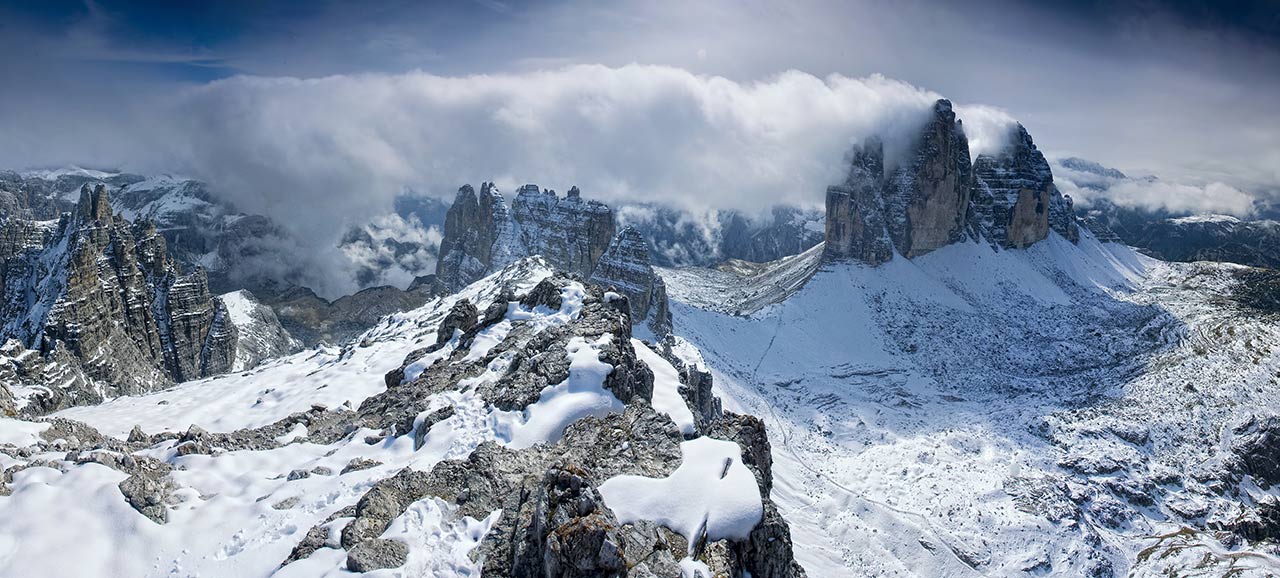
(666, 388)
(324, 375)
(690, 568)
(580, 395)
(240, 307)
(1199, 219)
(439, 545)
(53, 174)
(20, 433)
(711, 492)
(915, 409)
(225, 521)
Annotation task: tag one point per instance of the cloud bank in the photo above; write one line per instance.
(1152, 194)
(322, 155)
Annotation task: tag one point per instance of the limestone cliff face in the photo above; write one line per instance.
(570, 232)
(577, 236)
(626, 267)
(856, 225)
(481, 233)
(1062, 216)
(1011, 194)
(936, 197)
(913, 209)
(106, 291)
(927, 198)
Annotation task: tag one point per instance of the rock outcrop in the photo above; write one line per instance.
(481, 234)
(927, 197)
(107, 292)
(935, 197)
(259, 334)
(856, 226)
(919, 206)
(625, 268)
(1011, 194)
(576, 236)
(554, 520)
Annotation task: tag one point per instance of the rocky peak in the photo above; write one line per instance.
(1011, 193)
(626, 268)
(928, 196)
(105, 291)
(935, 195)
(855, 209)
(919, 206)
(93, 205)
(483, 234)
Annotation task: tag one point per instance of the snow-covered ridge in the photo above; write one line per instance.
(1200, 219)
(307, 465)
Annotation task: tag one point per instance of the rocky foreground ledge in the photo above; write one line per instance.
(529, 436)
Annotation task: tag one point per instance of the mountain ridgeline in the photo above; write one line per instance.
(482, 235)
(937, 196)
(102, 292)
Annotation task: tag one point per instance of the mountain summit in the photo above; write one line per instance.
(936, 197)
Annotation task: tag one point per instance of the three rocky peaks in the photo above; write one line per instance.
(936, 196)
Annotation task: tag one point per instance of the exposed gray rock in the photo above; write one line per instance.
(935, 195)
(625, 268)
(357, 464)
(377, 554)
(147, 494)
(482, 234)
(919, 206)
(107, 291)
(1011, 193)
(927, 197)
(259, 333)
(856, 217)
(462, 317)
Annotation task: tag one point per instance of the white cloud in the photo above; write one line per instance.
(1153, 195)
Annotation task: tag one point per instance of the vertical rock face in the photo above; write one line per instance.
(482, 234)
(625, 267)
(107, 292)
(569, 232)
(467, 244)
(928, 197)
(1062, 216)
(935, 195)
(916, 208)
(856, 226)
(1011, 194)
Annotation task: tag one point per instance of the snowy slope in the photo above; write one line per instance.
(239, 513)
(972, 412)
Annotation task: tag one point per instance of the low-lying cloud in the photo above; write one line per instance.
(1152, 194)
(323, 155)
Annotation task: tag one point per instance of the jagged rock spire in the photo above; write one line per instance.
(918, 208)
(1011, 193)
(935, 195)
(93, 206)
(626, 268)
